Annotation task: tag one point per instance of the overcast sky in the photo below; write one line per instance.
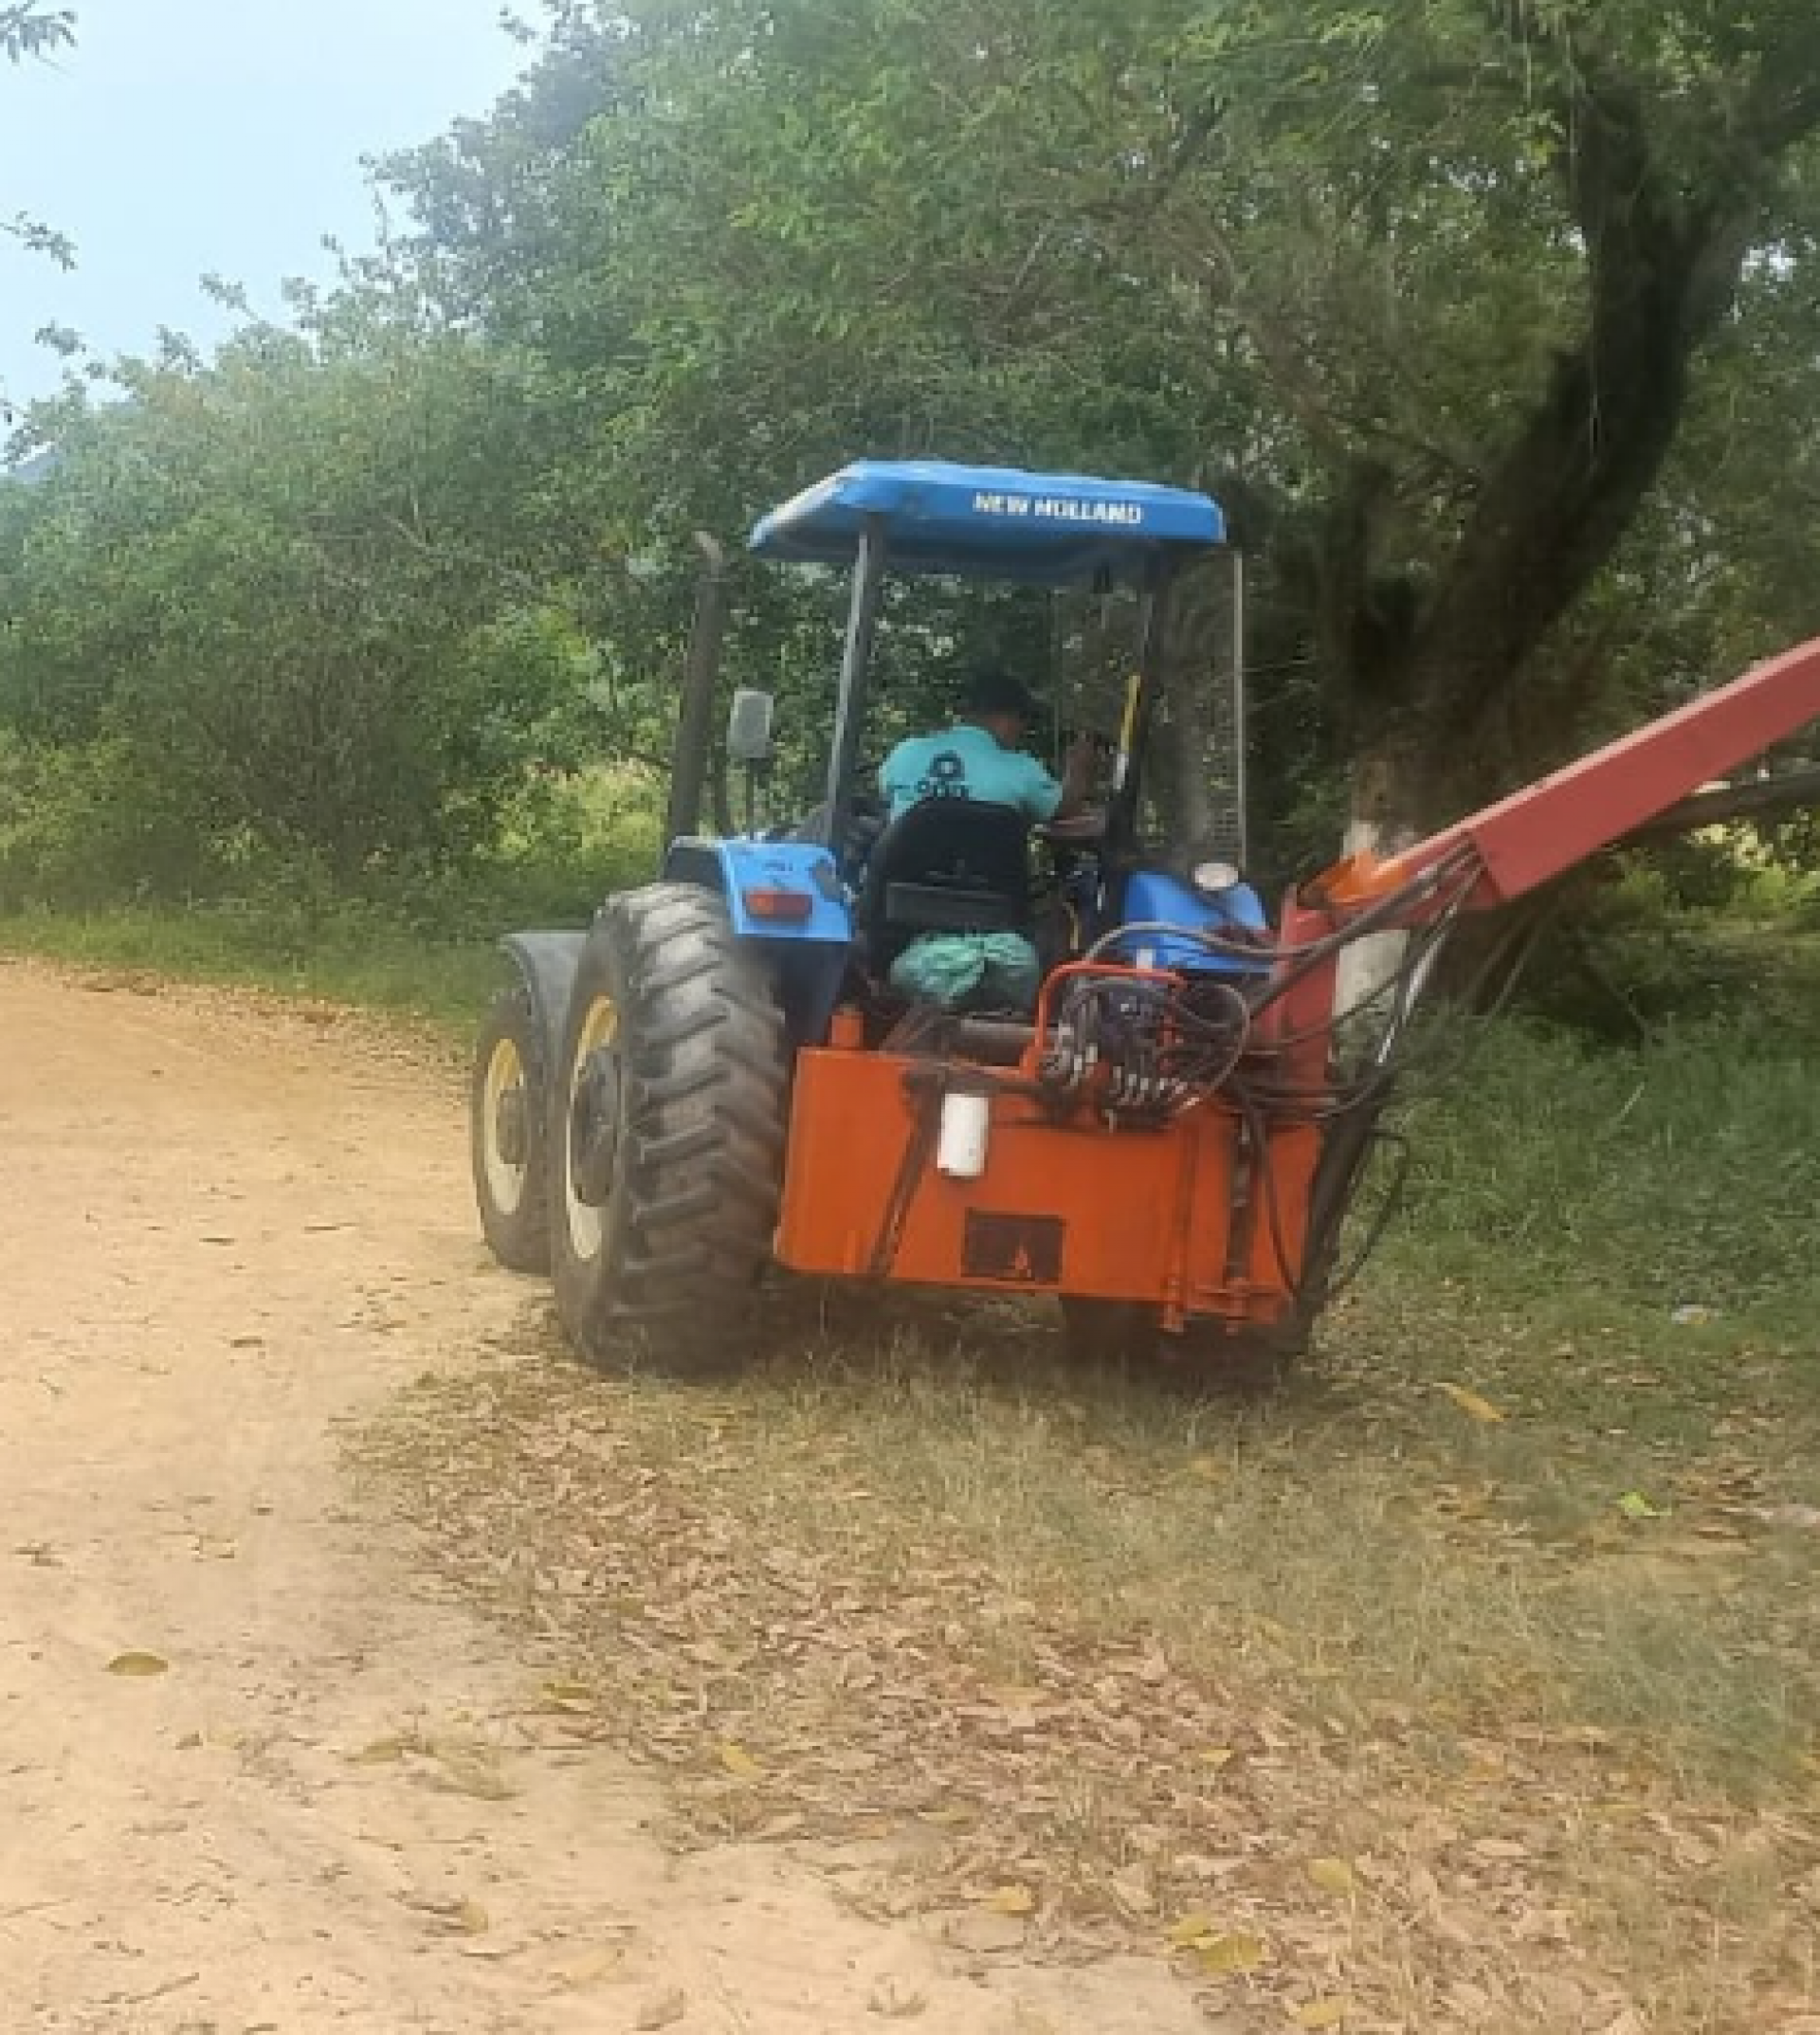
(183, 137)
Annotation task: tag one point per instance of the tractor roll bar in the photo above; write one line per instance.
(1140, 711)
(856, 658)
(1241, 715)
(695, 712)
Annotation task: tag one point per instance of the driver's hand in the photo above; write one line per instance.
(1083, 753)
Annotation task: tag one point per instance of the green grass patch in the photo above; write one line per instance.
(344, 955)
(1582, 1183)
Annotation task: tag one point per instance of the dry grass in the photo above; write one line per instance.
(1365, 1709)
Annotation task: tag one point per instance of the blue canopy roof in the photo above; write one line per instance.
(990, 522)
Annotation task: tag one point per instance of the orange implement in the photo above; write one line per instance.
(1183, 1216)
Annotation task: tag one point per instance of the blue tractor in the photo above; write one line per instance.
(718, 1075)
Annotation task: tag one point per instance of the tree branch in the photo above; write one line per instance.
(1755, 798)
(27, 31)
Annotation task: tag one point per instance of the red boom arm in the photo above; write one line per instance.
(1543, 830)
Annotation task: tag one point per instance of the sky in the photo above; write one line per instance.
(184, 137)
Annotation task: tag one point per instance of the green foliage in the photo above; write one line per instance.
(300, 598)
(1384, 278)
(29, 28)
(355, 953)
(90, 824)
(1426, 289)
(424, 946)
(1686, 1174)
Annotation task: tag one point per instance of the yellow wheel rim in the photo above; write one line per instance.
(587, 1225)
(505, 1181)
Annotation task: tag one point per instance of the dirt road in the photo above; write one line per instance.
(255, 1774)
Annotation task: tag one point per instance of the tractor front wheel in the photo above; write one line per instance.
(666, 1137)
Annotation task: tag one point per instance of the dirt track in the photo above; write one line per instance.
(231, 1229)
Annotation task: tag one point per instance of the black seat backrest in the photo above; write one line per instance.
(946, 865)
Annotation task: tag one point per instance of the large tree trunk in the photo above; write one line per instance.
(1390, 789)
(1427, 667)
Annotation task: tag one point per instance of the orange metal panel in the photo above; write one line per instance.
(1071, 1207)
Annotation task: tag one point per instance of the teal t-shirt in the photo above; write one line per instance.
(967, 762)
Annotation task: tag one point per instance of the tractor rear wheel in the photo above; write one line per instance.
(667, 1136)
(507, 1118)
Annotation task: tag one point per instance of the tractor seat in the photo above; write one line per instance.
(947, 866)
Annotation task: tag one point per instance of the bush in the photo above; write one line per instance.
(91, 825)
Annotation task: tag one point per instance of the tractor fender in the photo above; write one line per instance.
(807, 951)
(546, 963)
(742, 868)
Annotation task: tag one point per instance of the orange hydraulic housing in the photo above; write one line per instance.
(1183, 1215)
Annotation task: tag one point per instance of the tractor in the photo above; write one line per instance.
(1165, 1135)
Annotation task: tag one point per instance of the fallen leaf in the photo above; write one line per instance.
(1188, 1930)
(141, 1665)
(779, 1826)
(1323, 2013)
(473, 1773)
(591, 1967)
(568, 1696)
(1333, 1876)
(461, 1917)
(1010, 1900)
(1012, 1696)
(1474, 1406)
(381, 1752)
(1132, 1892)
(1635, 1506)
(895, 2001)
(741, 1763)
(662, 2009)
(951, 1819)
(1226, 1957)
(1499, 1848)
(985, 1933)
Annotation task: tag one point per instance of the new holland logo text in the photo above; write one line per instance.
(1055, 508)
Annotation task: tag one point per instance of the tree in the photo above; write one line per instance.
(1484, 320)
(1420, 286)
(304, 595)
(31, 29)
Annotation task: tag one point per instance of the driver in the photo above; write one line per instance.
(982, 757)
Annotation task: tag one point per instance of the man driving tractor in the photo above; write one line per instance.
(982, 757)
(980, 762)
